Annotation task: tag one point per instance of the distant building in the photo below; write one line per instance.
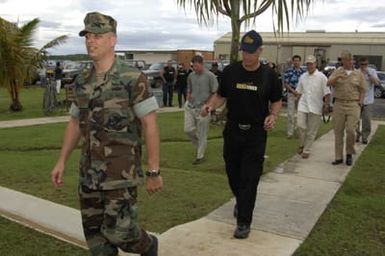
(326, 46)
(156, 56)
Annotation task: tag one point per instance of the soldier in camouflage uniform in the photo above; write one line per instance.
(112, 104)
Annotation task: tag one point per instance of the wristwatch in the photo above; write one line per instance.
(153, 173)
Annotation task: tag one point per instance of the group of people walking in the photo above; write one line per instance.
(113, 110)
(310, 94)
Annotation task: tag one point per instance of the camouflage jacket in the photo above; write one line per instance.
(111, 151)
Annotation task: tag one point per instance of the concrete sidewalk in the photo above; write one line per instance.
(59, 119)
(290, 201)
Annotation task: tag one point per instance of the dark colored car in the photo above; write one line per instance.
(221, 64)
(70, 72)
(153, 73)
(379, 90)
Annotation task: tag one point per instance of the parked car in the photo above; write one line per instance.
(139, 64)
(221, 64)
(71, 71)
(379, 90)
(153, 73)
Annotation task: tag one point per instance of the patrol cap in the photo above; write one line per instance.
(310, 59)
(251, 41)
(98, 23)
(345, 54)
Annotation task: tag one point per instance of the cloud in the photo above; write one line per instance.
(49, 24)
(380, 25)
(156, 24)
(159, 40)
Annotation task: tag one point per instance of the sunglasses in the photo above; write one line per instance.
(364, 64)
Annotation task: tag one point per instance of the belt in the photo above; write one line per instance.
(243, 126)
(346, 101)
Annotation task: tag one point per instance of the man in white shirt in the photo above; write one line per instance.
(314, 100)
(371, 79)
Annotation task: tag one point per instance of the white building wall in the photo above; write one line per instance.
(333, 47)
(154, 57)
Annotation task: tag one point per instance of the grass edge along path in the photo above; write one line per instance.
(353, 224)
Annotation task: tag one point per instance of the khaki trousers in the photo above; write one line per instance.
(196, 127)
(308, 124)
(346, 115)
(291, 109)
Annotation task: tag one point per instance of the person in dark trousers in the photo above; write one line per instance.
(249, 87)
(181, 83)
(58, 77)
(168, 75)
(214, 69)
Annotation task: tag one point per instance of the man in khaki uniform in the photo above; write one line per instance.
(349, 92)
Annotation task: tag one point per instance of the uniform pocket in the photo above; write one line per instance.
(121, 162)
(115, 119)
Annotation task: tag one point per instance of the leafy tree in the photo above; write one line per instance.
(246, 11)
(18, 58)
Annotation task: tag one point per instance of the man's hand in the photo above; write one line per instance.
(57, 175)
(325, 109)
(270, 122)
(206, 109)
(154, 184)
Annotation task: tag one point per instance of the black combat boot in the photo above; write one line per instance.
(349, 159)
(153, 250)
(242, 231)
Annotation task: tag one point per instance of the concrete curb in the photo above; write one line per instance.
(60, 119)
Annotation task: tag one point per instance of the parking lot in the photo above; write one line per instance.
(379, 108)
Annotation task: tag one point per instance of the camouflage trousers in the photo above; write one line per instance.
(110, 221)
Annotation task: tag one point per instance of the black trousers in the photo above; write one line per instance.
(182, 91)
(243, 152)
(168, 91)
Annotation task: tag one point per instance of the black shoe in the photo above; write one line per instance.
(198, 161)
(349, 159)
(242, 231)
(153, 250)
(358, 135)
(235, 211)
(336, 162)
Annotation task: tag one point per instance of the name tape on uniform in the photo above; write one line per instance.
(247, 87)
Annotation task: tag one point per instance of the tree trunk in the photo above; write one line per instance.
(15, 105)
(236, 29)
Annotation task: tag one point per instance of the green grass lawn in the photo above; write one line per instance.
(32, 100)
(354, 222)
(190, 192)
(17, 240)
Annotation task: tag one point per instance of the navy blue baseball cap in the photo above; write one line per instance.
(251, 41)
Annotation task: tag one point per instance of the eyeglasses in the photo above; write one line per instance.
(364, 64)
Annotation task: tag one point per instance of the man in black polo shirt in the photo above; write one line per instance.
(168, 75)
(248, 87)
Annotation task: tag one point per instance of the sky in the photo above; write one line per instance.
(160, 24)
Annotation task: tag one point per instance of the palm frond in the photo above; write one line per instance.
(55, 42)
(27, 31)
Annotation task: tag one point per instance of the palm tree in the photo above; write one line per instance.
(18, 59)
(241, 11)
